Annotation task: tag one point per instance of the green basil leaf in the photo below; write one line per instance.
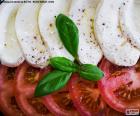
(68, 33)
(63, 64)
(52, 82)
(90, 72)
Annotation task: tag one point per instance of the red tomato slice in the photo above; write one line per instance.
(60, 103)
(120, 86)
(26, 80)
(86, 96)
(111, 112)
(8, 103)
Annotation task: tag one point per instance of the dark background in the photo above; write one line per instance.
(1, 1)
(1, 114)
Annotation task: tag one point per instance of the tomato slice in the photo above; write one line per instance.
(86, 96)
(8, 103)
(26, 80)
(60, 103)
(111, 112)
(120, 86)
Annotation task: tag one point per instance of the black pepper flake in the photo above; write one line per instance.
(41, 52)
(134, 46)
(91, 20)
(33, 49)
(60, 48)
(116, 49)
(39, 59)
(78, 9)
(36, 62)
(124, 60)
(54, 16)
(78, 23)
(5, 44)
(83, 10)
(35, 37)
(33, 57)
(44, 57)
(84, 34)
(124, 3)
(52, 48)
(78, 20)
(51, 24)
(43, 43)
(119, 35)
(90, 34)
(103, 24)
(94, 42)
(91, 27)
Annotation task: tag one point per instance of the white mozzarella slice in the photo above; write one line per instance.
(35, 51)
(114, 44)
(47, 17)
(130, 20)
(82, 13)
(10, 52)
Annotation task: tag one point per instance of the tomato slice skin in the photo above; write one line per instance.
(117, 86)
(111, 112)
(77, 98)
(7, 93)
(25, 90)
(55, 107)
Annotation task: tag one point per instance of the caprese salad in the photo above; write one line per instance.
(70, 58)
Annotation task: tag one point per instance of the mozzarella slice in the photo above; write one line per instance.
(82, 12)
(130, 20)
(47, 17)
(114, 44)
(35, 51)
(10, 51)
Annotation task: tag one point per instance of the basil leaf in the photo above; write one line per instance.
(63, 64)
(68, 33)
(52, 82)
(90, 72)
